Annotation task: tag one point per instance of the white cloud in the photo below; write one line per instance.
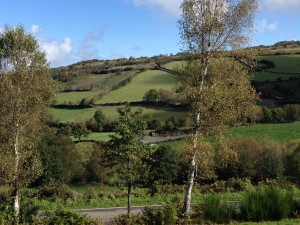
(263, 26)
(172, 7)
(278, 5)
(87, 48)
(57, 53)
(35, 28)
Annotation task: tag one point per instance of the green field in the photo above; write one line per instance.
(69, 115)
(174, 65)
(75, 97)
(85, 82)
(278, 132)
(81, 115)
(135, 90)
(282, 133)
(103, 136)
(283, 64)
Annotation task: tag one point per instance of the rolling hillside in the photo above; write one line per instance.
(127, 80)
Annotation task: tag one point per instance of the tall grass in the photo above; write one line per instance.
(267, 203)
(217, 210)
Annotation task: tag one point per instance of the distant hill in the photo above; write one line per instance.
(124, 80)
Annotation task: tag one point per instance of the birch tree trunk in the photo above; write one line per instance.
(16, 191)
(191, 175)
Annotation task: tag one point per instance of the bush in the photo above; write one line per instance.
(28, 209)
(257, 159)
(164, 165)
(7, 215)
(292, 168)
(154, 125)
(127, 220)
(66, 217)
(268, 203)
(56, 191)
(237, 184)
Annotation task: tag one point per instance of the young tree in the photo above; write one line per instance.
(100, 119)
(151, 96)
(125, 151)
(26, 91)
(79, 130)
(215, 85)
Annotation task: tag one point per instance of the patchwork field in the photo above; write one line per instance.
(81, 115)
(283, 64)
(135, 90)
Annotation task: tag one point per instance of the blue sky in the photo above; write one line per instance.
(74, 30)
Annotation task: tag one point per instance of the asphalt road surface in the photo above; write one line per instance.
(108, 213)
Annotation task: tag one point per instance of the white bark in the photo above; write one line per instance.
(189, 187)
(191, 175)
(17, 161)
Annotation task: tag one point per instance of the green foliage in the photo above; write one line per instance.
(267, 115)
(28, 212)
(67, 217)
(154, 125)
(125, 152)
(171, 124)
(55, 191)
(292, 164)
(85, 102)
(26, 92)
(99, 122)
(60, 159)
(79, 130)
(258, 159)
(164, 165)
(170, 213)
(292, 112)
(151, 96)
(268, 203)
(95, 170)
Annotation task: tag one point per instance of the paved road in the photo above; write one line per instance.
(153, 140)
(108, 213)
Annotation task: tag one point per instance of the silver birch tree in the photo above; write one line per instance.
(216, 86)
(26, 91)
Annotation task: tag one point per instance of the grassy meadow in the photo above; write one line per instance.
(75, 97)
(81, 115)
(135, 90)
(281, 133)
(283, 64)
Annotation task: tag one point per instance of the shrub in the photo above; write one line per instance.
(7, 215)
(268, 203)
(238, 184)
(127, 220)
(154, 125)
(66, 217)
(257, 159)
(28, 209)
(90, 194)
(164, 165)
(56, 191)
(151, 96)
(292, 167)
